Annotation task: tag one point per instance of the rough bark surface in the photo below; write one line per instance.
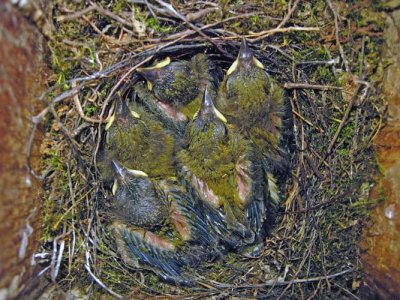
(382, 239)
(21, 80)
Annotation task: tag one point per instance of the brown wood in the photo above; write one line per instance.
(21, 80)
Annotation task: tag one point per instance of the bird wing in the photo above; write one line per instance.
(152, 252)
(188, 216)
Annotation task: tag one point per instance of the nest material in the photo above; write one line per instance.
(331, 78)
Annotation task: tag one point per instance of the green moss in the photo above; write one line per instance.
(90, 110)
(155, 24)
(254, 23)
(54, 159)
(324, 75)
(279, 5)
(118, 6)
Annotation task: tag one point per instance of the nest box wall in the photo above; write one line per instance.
(382, 239)
(21, 79)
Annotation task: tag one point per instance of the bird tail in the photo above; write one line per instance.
(261, 209)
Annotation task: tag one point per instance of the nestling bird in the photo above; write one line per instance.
(179, 85)
(158, 226)
(138, 142)
(254, 103)
(137, 199)
(222, 167)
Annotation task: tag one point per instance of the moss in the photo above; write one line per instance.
(90, 110)
(156, 25)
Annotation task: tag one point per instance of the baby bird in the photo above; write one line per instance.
(178, 86)
(223, 171)
(138, 142)
(137, 199)
(254, 103)
(158, 227)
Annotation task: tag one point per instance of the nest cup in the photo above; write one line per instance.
(276, 65)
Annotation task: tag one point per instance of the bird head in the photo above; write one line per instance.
(137, 198)
(208, 122)
(123, 117)
(125, 177)
(245, 59)
(151, 74)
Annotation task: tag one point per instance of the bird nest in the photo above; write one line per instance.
(325, 55)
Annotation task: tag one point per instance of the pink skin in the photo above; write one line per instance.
(180, 223)
(171, 112)
(206, 192)
(243, 182)
(156, 240)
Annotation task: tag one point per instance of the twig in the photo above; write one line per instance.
(362, 55)
(290, 57)
(303, 261)
(343, 121)
(175, 13)
(151, 10)
(189, 32)
(110, 14)
(263, 34)
(314, 167)
(80, 110)
(301, 145)
(75, 15)
(199, 14)
(36, 121)
(346, 194)
(335, 15)
(331, 62)
(276, 282)
(106, 37)
(98, 281)
(307, 121)
(294, 85)
(289, 14)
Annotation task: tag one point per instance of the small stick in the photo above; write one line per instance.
(314, 167)
(307, 121)
(99, 282)
(330, 62)
(80, 110)
(75, 15)
(199, 14)
(328, 202)
(288, 15)
(294, 85)
(263, 34)
(335, 15)
(343, 121)
(110, 14)
(175, 13)
(275, 282)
